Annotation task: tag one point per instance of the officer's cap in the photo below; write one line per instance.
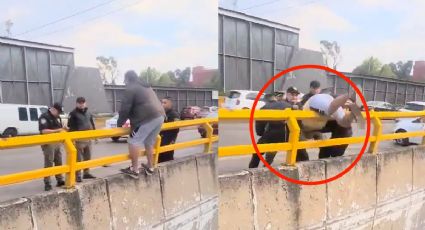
(58, 107)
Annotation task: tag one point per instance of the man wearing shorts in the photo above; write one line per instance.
(337, 120)
(141, 105)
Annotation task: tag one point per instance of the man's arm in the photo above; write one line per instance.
(72, 124)
(126, 105)
(92, 121)
(42, 126)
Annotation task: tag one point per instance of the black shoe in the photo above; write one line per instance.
(130, 172)
(88, 176)
(47, 187)
(78, 179)
(60, 183)
(149, 171)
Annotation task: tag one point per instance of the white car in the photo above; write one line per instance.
(410, 124)
(18, 119)
(243, 99)
(112, 123)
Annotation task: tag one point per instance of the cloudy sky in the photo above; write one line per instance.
(391, 30)
(138, 33)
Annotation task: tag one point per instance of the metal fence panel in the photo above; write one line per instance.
(242, 35)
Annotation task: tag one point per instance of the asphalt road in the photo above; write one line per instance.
(231, 133)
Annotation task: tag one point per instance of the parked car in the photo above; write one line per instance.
(243, 99)
(206, 110)
(380, 106)
(201, 129)
(18, 119)
(112, 123)
(410, 124)
(190, 112)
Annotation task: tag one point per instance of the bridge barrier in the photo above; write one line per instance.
(384, 191)
(293, 116)
(119, 202)
(71, 165)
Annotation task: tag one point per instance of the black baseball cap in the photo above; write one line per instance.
(292, 90)
(80, 100)
(314, 84)
(58, 107)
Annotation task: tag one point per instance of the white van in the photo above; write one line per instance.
(18, 119)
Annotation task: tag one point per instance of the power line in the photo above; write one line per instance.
(66, 17)
(260, 5)
(290, 7)
(91, 19)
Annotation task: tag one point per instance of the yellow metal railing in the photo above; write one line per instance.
(291, 116)
(71, 165)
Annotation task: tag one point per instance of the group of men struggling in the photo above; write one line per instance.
(339, 113)
(146, 113)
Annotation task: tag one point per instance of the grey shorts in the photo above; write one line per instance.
(145, 135)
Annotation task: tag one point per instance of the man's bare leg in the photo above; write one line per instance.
(149, 155)
(337, 103)
(134, 156)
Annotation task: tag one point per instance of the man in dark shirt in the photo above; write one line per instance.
(292, 100)
(270, 131)
(168, 136)
(314, 89)
(50, 122)
(80, 120)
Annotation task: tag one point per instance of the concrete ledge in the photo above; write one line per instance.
(274, 198)
(135, 204)
(179, 185)
(418, 168)
(61, 209)
(394, 174)
(95, 205)
(355, 191)
(312, 199)
(16, 214)
(236, 204)
(207, 174)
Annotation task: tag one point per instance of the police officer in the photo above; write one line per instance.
(314, 89)
(50, 122)
(291, 98)
(270, 131)
(80, 119)
(168, 136)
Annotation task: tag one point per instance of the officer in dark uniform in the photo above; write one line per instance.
(50, 122)
(292, 100)
(270, 131)
(314, 89)
(168, 136)
(80, 119)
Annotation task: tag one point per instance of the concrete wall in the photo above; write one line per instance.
(182, 194)
(384, 191)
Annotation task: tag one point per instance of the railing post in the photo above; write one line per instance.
(209, 129)
(157, 146)
(294, 137)
(377, 132)
(71, 151)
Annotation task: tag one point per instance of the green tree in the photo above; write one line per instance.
(108, 69)
(386, 71)
(150, 75)
(370, 66)
(331, 52)
(182, 77)
(402, 69)
(167, 79)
